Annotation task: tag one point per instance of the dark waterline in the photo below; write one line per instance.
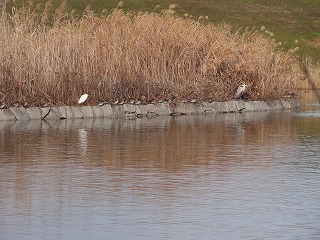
(228, 176)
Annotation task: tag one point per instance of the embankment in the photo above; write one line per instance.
(148, 110)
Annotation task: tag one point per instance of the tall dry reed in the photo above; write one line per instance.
(49, 60)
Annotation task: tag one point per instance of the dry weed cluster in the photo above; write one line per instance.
(122, 56)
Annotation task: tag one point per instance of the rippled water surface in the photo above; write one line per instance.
(228, 176)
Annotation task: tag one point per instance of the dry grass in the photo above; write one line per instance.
(131, 56)
(313, 71)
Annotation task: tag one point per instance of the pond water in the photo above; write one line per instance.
(227, 176)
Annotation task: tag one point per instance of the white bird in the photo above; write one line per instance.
(83, 98)
(240, 91)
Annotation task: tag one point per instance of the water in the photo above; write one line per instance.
(228, 176)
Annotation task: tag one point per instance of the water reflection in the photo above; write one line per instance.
(164, 142)
(228, 176)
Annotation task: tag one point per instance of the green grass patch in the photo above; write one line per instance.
(289, 20)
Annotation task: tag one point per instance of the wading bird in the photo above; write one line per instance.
(240, 91)
(83, 98)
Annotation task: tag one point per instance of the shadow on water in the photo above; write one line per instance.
(310, 107)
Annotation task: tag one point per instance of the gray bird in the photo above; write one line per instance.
(240, 91)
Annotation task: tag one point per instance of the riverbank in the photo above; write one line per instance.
(149, 110)
(143, 56)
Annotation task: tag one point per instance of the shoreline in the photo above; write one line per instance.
(149, 110)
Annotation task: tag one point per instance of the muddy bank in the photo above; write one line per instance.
(148, 110)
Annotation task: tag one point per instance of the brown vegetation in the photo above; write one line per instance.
(125, 56)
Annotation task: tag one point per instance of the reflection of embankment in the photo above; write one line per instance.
(169, 143)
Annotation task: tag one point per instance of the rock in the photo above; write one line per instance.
(59, 111)
(7, 115)
(20, 113)
(87, 112)
(35, 113)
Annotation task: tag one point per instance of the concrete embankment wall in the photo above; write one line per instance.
(148, 110)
